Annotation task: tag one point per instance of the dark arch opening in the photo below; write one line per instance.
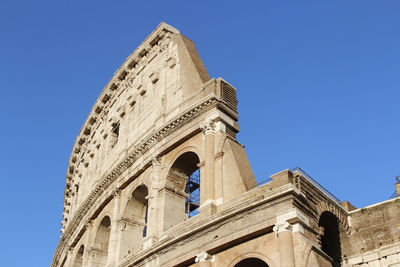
(251, 262)
(330, 237)
(187, 165)
(140, 197)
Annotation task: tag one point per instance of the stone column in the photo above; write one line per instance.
(208, 184)
(204, 259)
(113, 252)
(283, 232)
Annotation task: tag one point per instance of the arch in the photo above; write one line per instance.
(242, 259)
(186, 167)
(179, 190)
(103, 234)
(186, 162)
(252, 261)
(133, 223)
(135, 208)
(78, 261)
(342, 217)
(180, 152)
(330, 237)
(101, 242)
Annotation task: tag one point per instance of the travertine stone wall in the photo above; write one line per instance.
(158, 120)
(146, 92)
(375, 238)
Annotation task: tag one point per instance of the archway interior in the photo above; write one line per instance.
(101, 242)
(251, 262)
(103, 234)
(330, 239)
(187, 165)
(79, 257)
(134, 221)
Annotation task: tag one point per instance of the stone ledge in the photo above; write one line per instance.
(188, 228)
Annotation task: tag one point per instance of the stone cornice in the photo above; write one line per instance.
(138, 150)
(139, 58)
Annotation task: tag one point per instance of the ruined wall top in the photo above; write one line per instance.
(160, 79)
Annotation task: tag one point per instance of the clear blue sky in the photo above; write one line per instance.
(318, 86)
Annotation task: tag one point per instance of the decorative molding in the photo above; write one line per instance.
(208, 127)
(110, 177)
(204, 256)
(117, 193)
(282, 227)
(89, 223)
(342, 217)
(219, 155)
(201, 164)
(124, 77)
(156, 161)
(180, 238)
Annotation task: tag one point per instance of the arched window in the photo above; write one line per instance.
(186, 166)
(179, 197)
(330, 237)
(101, 243)
(251, 262)
(134, 221)
(79, 257)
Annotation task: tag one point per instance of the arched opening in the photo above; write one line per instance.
(186, 167)
(79, 257)
(100, 247)
(180, 196)
(251, 262)
(134, 221)
(330, 237)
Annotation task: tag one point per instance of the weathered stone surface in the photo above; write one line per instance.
(159, 143)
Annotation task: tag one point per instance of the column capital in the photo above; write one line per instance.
(117, 193)
(204, 256)
(208, 127)
(70, 249)
(282, 227)
(156, 161)
(89, 223)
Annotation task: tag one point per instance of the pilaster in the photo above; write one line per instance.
(88, 242)
(69, 262)
(153, 204)
(113, 251)
(283, 231)
(209, 129)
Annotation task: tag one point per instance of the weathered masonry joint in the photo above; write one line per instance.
(157, 178)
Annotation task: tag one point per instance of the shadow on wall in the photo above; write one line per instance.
(134, 222)
(330, 237)
(251, 262)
